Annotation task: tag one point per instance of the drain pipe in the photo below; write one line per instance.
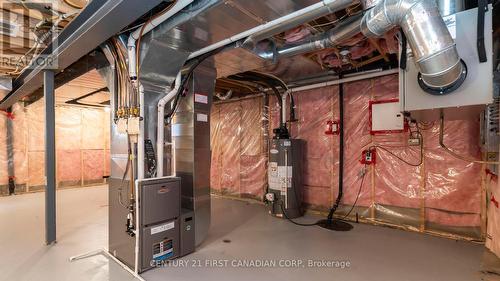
(10, 151)
(340, 194)
(279, 25)
(160, 141)
(132, 39)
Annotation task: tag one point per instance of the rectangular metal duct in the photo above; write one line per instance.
(191, 135)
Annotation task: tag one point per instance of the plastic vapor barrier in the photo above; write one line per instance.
(493, 232)
(444, 195)
(239, 157)
(82, 144)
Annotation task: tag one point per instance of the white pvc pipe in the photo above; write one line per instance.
(160, 139)
(132, 39)
(262, 27)
(283, 108)
(140, 142)
(346, 80)
(172, 164)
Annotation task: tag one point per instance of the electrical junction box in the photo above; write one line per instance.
(332, 128)
(386, 117)
(121, 125)
(476, 91)
(369, 157)
(414, 141)
(134, 125)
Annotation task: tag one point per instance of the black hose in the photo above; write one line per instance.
(294, 222)
(404, 57)
(266, 81)
(341, 152)
(193, 64)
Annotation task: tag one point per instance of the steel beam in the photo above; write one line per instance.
(50, 157)
(99, 21)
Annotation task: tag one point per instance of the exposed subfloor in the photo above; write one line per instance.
(374, 253)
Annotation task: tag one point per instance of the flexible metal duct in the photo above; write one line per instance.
(441, 69)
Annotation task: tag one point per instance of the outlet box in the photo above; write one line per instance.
(368, 157)
(133, 127)
(413, 141)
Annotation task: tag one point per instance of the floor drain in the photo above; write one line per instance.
(226, 241)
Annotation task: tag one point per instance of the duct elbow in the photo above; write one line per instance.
(434, 51)
(442, 73)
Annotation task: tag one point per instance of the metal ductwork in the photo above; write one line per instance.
(347, 29)
(310, 13)
(434, 51)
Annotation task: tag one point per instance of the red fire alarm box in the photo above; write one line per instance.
(369, 157)
(332, 127)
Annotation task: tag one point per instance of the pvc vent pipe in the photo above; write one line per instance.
(160, 142)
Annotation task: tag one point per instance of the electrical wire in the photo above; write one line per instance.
(453, 153)
(337, 20)
(281, 82)
(364, 171)
(294, 222)
(402, 159)
(420, 137)
(425, 125)
(192, 66)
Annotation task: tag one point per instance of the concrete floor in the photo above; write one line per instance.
(374, 253)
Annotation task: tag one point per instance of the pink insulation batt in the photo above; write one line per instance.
(238, 158)
(448, 189)
(82, 137)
